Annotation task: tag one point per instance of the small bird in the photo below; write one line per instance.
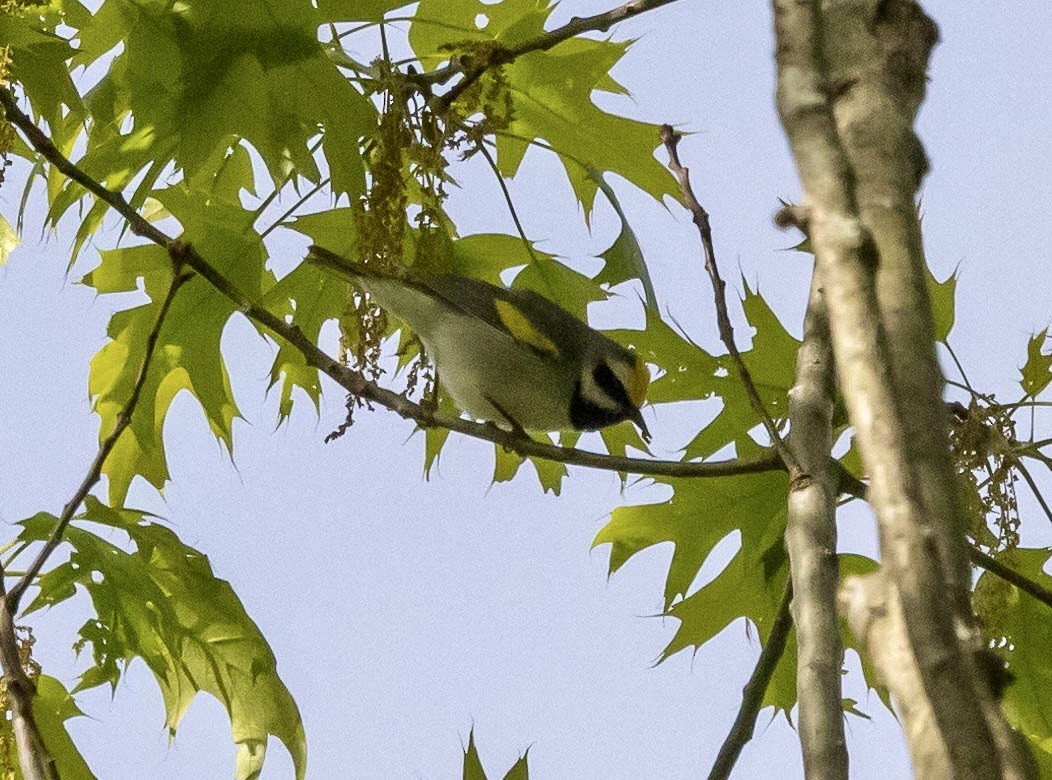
(511, 357)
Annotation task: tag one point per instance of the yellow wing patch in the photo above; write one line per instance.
(520, 327)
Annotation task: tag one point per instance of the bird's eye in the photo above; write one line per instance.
(607, 381)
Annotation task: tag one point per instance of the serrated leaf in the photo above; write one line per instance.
(570, 289)
(473, 764)
(551, 95)
(188, 354)
(943, 303)
(439, 25)
(690, 373)
(506, 464)
(850, 706)
(487, 256)
(699, 514)
(520, 769)
(204, 78)
(163, 603)
(624, 258)
(52, 707)
(1037, 371)
(38, 63)
(357, 10)
(859, 565)
(307, 298)
(1026, 624)
(550, 473)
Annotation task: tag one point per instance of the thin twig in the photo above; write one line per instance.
(510, 203)
(670, 138)
(292, 209)
(753, 692)
(1033, 487)
(353, 381)
(124, 418)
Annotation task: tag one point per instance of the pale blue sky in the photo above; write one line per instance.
(402, 612)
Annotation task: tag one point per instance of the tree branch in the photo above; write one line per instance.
(838, 63)
(670, 138)
(34, 759)
(752, 694)
(353, 381)
(811, 542)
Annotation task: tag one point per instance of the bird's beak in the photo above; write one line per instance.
(637, 418)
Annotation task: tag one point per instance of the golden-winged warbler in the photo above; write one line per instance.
(511, 357)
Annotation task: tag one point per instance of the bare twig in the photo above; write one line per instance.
(670, 138)
(753, 692)
(353, 381)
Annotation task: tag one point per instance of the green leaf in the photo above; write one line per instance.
(306, 297)
(439, 24)
(357, 10)
(699, 514)
(570, 289)
(435, 438)
(52, 707)
(943, 303)
(624, 258)
(472, 763)
(487, 256)
(1026, 624)
(188, 354)
(162, 603)
(852, 564)
(212, 74)
(549, 473)
(1037, 371)
(690, 373)
(551, 93)
(8, 239)
(519, 770)
(552, 101)
(38, 63)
